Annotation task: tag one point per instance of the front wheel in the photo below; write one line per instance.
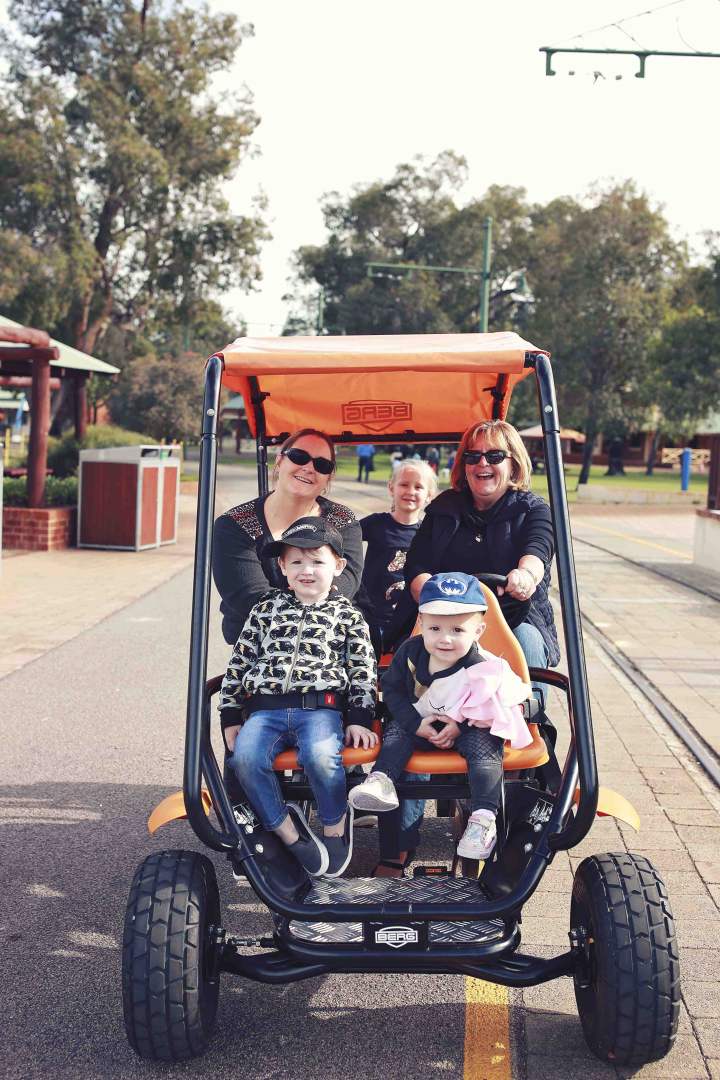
(170, 992)
(627, 982)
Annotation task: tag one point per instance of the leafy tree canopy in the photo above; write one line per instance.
(115, 150)
(685, 381)
(604, 273)
(415, 217)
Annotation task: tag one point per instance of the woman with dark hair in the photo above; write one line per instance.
(303, 469)
(488, 521)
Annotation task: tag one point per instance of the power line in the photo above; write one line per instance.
(617, 24)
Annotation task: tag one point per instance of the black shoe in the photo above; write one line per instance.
(308, 850)
(339, 848)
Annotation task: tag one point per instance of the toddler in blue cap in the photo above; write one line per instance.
(443, 692)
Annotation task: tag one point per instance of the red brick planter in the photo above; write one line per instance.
(38, 530)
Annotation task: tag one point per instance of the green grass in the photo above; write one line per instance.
(665, 480)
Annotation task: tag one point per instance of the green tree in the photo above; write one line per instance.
(602, 272)
(161, 395)
(415, 217)
(684, 386)
(116, 146)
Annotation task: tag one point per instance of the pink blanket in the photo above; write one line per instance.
(486, 695)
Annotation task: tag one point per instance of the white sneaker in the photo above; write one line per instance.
(480, 836)
(376, 793)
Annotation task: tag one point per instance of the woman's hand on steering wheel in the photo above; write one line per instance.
(521, 584)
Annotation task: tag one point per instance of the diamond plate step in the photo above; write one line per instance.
(396, 891)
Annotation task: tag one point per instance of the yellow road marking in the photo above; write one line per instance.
(487, 1031)
(637, 540)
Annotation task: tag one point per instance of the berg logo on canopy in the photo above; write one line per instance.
(375, 415)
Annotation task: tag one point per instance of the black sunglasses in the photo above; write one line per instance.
(493, 457)
(301, 457)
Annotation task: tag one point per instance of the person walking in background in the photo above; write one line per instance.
(365, 455)
(432, 456)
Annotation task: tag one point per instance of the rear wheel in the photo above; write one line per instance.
(627, 983)
(170, 993)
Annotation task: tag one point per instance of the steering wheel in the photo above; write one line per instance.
(494, 581)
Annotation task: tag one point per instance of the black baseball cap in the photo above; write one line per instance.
(307, 532)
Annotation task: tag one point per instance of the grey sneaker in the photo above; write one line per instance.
(480, 836)
(310, 852)
(376, 793)
(339, 848)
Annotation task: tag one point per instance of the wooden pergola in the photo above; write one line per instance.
(29, 358)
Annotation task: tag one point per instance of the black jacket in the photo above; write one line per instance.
(242, 577)
(518, 524)
(287, 647)
(408, 677)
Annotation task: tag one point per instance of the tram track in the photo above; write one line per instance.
(679, 723)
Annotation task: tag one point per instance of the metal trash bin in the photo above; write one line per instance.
(128, 497)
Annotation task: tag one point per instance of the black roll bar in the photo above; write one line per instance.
(579, 825)
(219, 841)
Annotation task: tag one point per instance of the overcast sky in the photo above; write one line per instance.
(347, 90)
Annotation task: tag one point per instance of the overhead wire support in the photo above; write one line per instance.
(641, 54)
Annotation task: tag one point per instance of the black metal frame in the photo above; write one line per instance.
(297, 960)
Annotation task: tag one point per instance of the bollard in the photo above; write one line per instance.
(685, 466)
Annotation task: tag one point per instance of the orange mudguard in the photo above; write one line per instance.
(173, 808)
(611, 804)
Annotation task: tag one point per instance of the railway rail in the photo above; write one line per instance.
(681, 724)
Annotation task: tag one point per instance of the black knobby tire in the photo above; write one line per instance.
(169, 999)
(628, 989)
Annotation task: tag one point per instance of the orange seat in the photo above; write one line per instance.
(498, 639)
(351, 755)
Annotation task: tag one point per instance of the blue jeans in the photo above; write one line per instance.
(318, 736)
(535, 650)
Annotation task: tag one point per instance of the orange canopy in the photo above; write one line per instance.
(380, 385)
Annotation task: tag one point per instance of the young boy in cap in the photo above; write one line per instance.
(302, 660)
(443, 692)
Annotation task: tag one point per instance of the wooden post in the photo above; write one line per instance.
(80, 404)
(713, 498)
(39, 427)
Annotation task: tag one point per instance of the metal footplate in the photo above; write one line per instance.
(396, 891)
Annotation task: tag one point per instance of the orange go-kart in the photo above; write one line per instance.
(622, 952)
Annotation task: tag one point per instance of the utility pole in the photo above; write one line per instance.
(472, 271)
(485, 279)
(320, 326)
(641, 54)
